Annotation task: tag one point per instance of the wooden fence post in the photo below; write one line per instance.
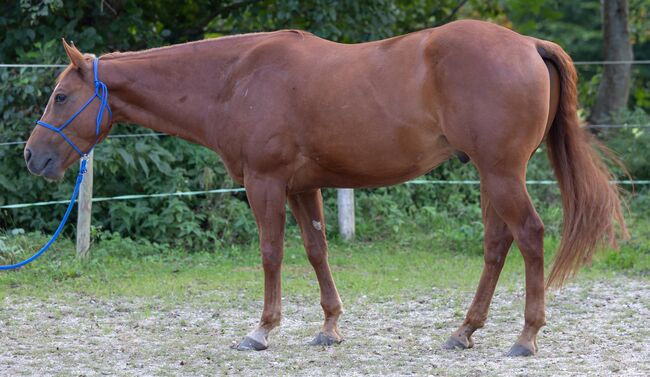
(345, 201)
(84, 210)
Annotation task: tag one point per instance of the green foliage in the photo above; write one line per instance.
(346, 21)
(382, 268)
(631, 143)
(32, 32)
(9, 251)
(635, 253)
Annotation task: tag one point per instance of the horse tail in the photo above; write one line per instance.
(591, 204)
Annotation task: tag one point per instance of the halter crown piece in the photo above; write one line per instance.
(101, 92)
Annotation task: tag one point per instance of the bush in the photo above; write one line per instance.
(160, 165)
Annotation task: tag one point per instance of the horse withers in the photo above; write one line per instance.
(290, 113)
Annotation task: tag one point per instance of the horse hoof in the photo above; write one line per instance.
(519, 350)
(455, 343)
(249, 344)
(324, 340)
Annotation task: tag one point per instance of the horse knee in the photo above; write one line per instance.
(494, 259)
(496, 249)
(271, 257)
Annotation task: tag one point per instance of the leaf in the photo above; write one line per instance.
(4, 182)
(128, 159)
(144, 166)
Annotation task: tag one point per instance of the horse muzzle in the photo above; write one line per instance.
(43, 164)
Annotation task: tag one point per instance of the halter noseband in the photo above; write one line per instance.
(101, 92)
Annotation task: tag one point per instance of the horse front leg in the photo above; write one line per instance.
(267, 198)
(307, 208)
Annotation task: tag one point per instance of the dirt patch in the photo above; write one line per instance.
(593, 329)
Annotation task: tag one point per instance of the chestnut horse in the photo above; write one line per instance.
(290, 113)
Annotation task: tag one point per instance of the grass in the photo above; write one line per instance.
(142, 308)
(394, 268)
(138, 308)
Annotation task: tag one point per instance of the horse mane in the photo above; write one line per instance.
(234, 38)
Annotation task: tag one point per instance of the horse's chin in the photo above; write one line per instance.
(53, 176)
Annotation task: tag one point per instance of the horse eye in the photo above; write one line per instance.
(60, 98)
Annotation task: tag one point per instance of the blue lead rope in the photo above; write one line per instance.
(80, 177)
(101, 92)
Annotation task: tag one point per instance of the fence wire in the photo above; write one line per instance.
(235, 190)
(128, 197)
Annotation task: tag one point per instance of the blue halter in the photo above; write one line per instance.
(101, 92)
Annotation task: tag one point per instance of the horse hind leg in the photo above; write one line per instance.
(497, 242)
(506, 190)
(308, 210)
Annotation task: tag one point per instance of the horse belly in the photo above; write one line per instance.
(375, 160)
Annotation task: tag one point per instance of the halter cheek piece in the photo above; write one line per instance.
(101, 92)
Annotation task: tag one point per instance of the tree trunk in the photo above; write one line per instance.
(614, 88)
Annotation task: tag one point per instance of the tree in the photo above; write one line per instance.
(614, 88)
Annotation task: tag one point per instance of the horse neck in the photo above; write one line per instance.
(176, 90)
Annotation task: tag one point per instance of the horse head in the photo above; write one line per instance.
(73, 121)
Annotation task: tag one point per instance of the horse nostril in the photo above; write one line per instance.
(28, 154)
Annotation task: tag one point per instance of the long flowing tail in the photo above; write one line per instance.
(592, 204)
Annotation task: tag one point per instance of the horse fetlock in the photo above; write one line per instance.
(473, 322)
(532, 325)
(270, 321)
(332, 309)
(535, 324)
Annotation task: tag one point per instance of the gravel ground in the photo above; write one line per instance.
(594, 328)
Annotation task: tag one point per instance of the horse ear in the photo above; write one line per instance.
(76, 57)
